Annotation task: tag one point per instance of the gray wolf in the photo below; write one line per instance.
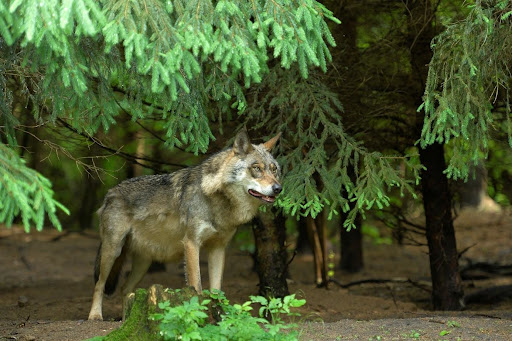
(173, 216)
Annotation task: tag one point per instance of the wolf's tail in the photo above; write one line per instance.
(113, 277)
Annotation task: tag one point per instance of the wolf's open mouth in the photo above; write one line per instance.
(265, 198)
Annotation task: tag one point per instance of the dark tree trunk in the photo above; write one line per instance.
(89, 202)
(303, 245)
(270, 254)
(351, 247)
(447, 293)
(351, 242)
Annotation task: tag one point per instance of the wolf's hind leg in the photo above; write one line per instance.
(111, 247)
(140, 266)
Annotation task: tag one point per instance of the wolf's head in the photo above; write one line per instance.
(256, 169)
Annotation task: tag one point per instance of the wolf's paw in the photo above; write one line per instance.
(95, 317)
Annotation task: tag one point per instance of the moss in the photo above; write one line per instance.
(137, 326)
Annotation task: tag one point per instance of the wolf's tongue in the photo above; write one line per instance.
(254, 193)
(261, 196)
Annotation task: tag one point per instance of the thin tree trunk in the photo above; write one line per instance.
(270, 254)
(317, 233)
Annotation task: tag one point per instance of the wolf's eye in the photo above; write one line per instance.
(256, 168)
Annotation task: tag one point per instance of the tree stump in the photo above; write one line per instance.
(138, 306)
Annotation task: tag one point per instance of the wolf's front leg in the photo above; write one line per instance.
(193, 271)
(216, 257)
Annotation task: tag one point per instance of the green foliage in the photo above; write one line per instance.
(190, 322)
(25, 192)
(169, 49)
(415, 334)
(453, 324)
(373, 233)
(499, 175)
(467, 93)
(84, 61)
(183, 321)
(318, 155)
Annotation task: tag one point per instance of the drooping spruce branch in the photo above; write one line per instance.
(25, 192)
(64, 59)
(164, 52)
(469, 76)
(315, 146)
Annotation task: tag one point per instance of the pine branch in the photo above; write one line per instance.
(132, 158)
(25, 192)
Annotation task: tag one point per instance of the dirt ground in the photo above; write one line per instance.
(46, 287)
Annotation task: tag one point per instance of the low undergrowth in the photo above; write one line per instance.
(190, 321)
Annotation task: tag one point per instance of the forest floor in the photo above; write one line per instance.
(46, 287)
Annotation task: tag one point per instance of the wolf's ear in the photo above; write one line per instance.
(272, 142)
(242, 145)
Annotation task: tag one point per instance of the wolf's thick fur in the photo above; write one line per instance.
(172, 216)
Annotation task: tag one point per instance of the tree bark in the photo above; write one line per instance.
(351, 259)
(270, 254)
(303, 245)
(89, 202)
(447, 293)
(351, 247)
(317, 234)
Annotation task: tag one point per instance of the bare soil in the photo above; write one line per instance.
(46, 287)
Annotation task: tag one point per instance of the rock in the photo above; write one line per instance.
(22, 301)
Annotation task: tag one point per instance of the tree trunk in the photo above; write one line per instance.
(351, 247)
(447, 293)
(89, 202)
(270, 254)
(351, 242)
(303, 245)
(317, 234)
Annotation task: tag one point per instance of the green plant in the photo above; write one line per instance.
(183, 320)
(189, 321)
(414, 334)
(453, 324)
(444, 332)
